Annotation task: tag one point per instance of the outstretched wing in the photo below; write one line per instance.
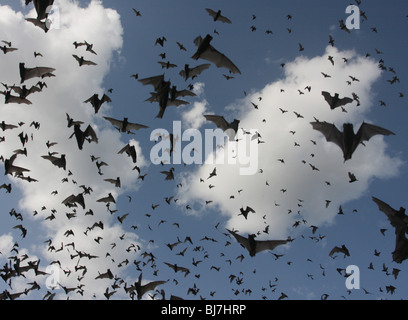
(219, 17)
(219, 59)
(331, 133)
(268, 244)
(367, 131)
(219, 121)
(240, 239)
(395, 217)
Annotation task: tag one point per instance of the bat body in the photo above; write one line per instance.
(254, 246)
(244, 212)
(6, 49)
(177, 268)
(83, 62)
(399, 220)
(29, 73)
(73, 200)
(10, 168)
(335, 101)
(124, 125)
(89, 134)
(217, 16)
(188, 72)
(207, 52)
(348, 141)
(130, 151)
(59, 162)
(229, 128)
(343, 249)
(142, 289)
(96, 102)
(9, 98)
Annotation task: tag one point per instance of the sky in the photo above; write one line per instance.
(294, 180)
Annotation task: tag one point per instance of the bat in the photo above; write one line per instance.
(246, 211)
(59, 162)
(42, 7)
(399, 220)
(177, 268)
(109, 198)
(29, 73)
(335, 101)
(254, 246)
(217, 16)
(142, 289)
(348, 141)
(4, 126)
(9, 98)
(89, 135)
(192, 73)
(167, 64)
(6, 49)
(174, 93)
(83, 62)
(130, 151)
(96, 102)
(44, 25)
(207, 52)
(10, 168)
(229, 128)
(124, 125)
(107, 275)
(342, 249)
(73, 200)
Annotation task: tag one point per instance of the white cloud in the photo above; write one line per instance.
(306, 189)
(193, 118)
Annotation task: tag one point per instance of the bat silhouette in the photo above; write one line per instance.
(83, 62)
(254, 246)
(107, 275)
(343, 249)
(348, 141)
(217, 16)
(7, 49)
(177, 268)
(73, 200)
(42, 7)
(207, 52)
(244, 212)
(188, 72)
(9, 98)
(29, 73)
(10, 168)
(59, 162)
(130, 151)
(229, 128)
(335, 101)
(89, 135)
(124, 125)
(96, 102)
(142, 289)
(399, 220)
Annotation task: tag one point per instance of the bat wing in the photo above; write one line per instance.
(90, 132)
(115, 122)
(198, 69)
(135, 126)
(397, 218)
(155, 81)
(240, 239)
(268, 245)
(344, 101)
(327, 96)
(219, 121)
(89, 63)
(335, 250)
(36, 72)
(331, 133)
(367, 131)
(219, 59)
(215, 15)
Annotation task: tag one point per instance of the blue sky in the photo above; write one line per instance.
(125, 45)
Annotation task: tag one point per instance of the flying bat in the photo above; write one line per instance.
(207, 52)
(348, 141)
(4, 126)
(89, 135)
(254, 246)
(130, 151)
(142, 289)
(9, 98)
(124, 125)
(59, 162)
(177, 268)
(83, 62)
(96, 102)
(6, 49)
(244, 212)
(11, 168)
(73, 200)
(188, 72)
(217, 16)
(343, 249)
(335, 101)
(229, 128)
(29, 73)
(399, 220)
